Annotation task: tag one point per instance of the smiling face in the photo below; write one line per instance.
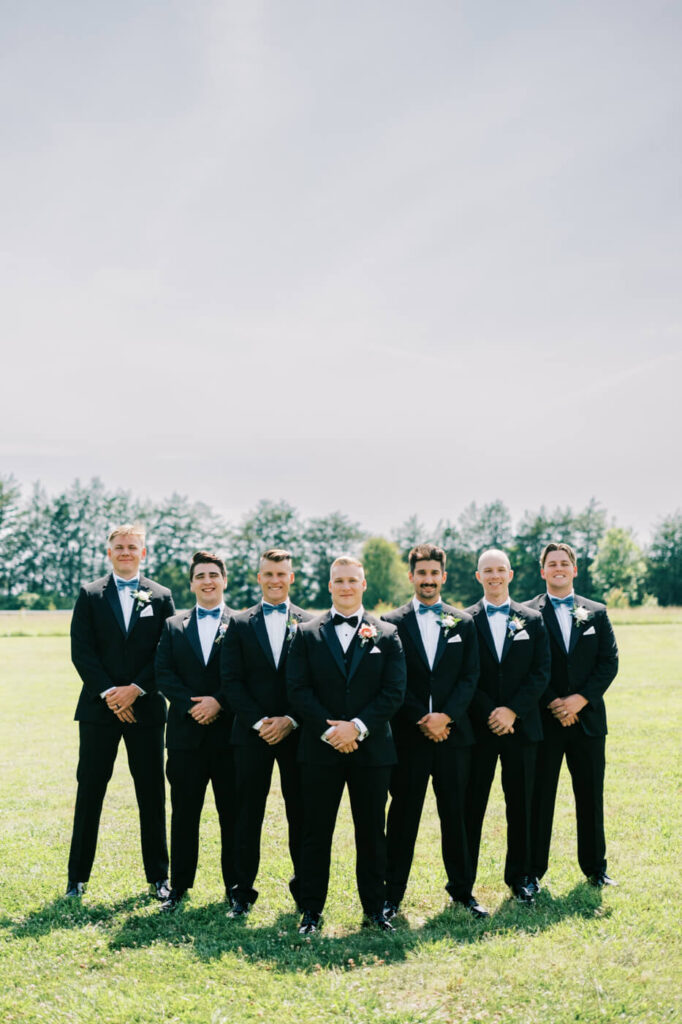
(125, 552)
(427, 578)
(207, 584)
(494, 573)
(559, 571)
(347, 584)
(275, 578)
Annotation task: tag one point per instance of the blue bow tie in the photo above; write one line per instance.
(214, 613)
(503, 609)
(435, 608)
(124, 584)
(268, 609)
(568, 601)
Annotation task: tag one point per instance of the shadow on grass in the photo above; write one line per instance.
(63, 913)
(211, 934)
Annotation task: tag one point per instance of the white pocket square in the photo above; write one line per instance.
(521, 635)
(590, 632)
(375, 650)
(455, 639)
(146, 612)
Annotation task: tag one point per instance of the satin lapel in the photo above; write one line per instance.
(360, 650)
(481, 620)
(257, 621)
(215, 647)
(440, 649)
(575, 632)
(513, 610)
(413, 629)
(111, 594)
(295, 614)
(329, 633)
(551, 621)
(192, 633)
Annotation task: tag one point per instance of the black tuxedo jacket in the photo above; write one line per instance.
(105, 655)
(518, 679)
(252, 685)
(320, 687)
(181, 674)
(588, 667)
(450, 684)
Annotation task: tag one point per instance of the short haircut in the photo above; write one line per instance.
(346, 560)
(134, 529)
(493, 551)
(201, 557)
(276, 555)
(426, 553)
(557, 546)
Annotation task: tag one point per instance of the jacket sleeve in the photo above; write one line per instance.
(84, 654)
(386, 702)
(534, 683)
(302, 697)
(233, 692)
(606, 664)
(463, 691)
(168, 681)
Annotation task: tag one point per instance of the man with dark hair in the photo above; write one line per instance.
(432, 731)
(514, 671)
(116, 624)
(346, 680)
(265, 730)
(199, 724)
(584, 664)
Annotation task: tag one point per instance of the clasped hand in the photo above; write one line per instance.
(501, 721)
(273, 730)
(343, 736)
(120, 700)
(565, 709)
(205, 710)
(435, 726)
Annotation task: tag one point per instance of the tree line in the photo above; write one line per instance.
(50, 544)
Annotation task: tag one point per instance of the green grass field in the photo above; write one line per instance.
(579, 955)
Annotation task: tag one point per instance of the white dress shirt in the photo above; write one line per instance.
(276, 628)
(429, 627)
(345, 634)
(126, 600)
(564, 618)
(498, 626)
(208, 628)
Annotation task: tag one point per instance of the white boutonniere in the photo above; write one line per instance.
(143, 598)
(367, 632)
(580, 615)
(448, 622)
(222, 629)
(292, 626)
(515, 625)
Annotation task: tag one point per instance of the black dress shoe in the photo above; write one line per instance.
(533, 884)
(391, 910)
(239, 908)
(601, 879)
(377, 921)
(522, 894)
(310, 922)
(174, 900)
(75, 889)
(160, 889)
(472, 906)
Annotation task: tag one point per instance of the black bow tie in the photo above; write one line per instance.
(341, 620)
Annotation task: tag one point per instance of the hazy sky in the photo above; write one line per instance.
(377, 256)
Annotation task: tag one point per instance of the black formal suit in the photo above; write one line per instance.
(197, 753)
(254, 686)
(448, 687)
(368, 683)
(107, 654)
(588, 668)
(516, 681)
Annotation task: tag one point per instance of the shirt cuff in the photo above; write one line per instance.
(363, 731)
(257, 725)
(105, 692)
(143, 693)
(293, 721)
(325, 734)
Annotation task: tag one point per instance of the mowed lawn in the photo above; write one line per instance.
(579, 955)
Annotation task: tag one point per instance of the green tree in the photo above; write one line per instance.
(325, 538)
(489, 526)
(664, 568)
(270, 525)
(10, 508)
(619, 565)
(409, 534)
(461, 587)
(385, 572)
(535, 530)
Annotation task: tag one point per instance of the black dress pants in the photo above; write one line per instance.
(97, 754)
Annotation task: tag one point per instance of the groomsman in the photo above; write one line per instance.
(346, 679)
(116, 624)
(265, 730)
(199, 724)
(515, 666)
(432, 731)
(584, 663)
